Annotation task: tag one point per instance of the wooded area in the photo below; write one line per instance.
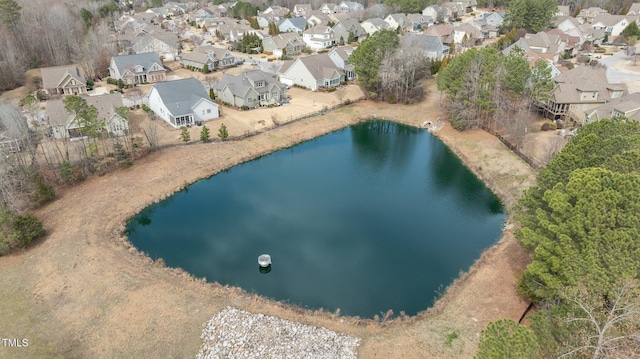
(43, 33)
(581, 226)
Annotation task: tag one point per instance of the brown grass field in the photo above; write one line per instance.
(83, 292)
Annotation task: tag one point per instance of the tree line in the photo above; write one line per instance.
(581, 226)
(31, 37)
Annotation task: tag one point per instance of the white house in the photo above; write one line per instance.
(312, 72)
(373, 25)
(319, 37)
(182, 102)
(612, 24)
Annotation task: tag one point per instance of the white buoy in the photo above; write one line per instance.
(264, 260)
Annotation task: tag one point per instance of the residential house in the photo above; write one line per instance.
(317, 18)
(584, 32)
(278, 11)
(443, 31)
(289, 43)
(456, 9)
(467, 35)
(431, 46)
(612, 25)
(344, 28)
(439, 14)
(182, 102)
(634, 9)
(319, 37)
(349, 6)
(293, 24)
(419, 22)
(494, 18)
(63, 80)
(301, 9)
(397, 21)
(578, 91)
(163, 43)
(626, 106)
(312, 72)
(587, 15)
(329, 8)
(571, 46)
(542, 43)
(340, 57)
(251, 88)
(13, 126)
(66, 125)
(214, 57)
(137, 68)
(373, 25)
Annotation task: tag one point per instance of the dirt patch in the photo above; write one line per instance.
(83, 292)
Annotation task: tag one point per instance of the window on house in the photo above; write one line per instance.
(584, 107)
(577, 107)
(208, 110)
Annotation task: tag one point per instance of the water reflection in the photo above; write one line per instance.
(370, 218)
(381, 142)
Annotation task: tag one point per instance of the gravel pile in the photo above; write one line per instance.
(234, 333)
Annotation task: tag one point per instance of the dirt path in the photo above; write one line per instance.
(83, 293)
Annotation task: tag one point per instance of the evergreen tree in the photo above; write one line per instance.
(212, 94)
(9, 14)
(533, 15)
(222, 132)
(631, 30)
(506, 339)
(204, 134)
(368, 57)
(184, 134)
(205, 69)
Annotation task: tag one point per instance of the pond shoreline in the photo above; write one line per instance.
(101, 299)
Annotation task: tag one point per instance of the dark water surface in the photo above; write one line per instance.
(376, 216)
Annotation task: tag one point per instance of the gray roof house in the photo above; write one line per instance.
(312, 72)
(214, 57)
(250, 89)
(349, 6)
(182, 102)
(579, 91)
(432, 46)
(301, 9)
(342, 29)
(65, 125)
(373, 25)
(340, 56)
(13, 126)
(137, 68)
(163, 43)
(289, 43)
(294, 24)
(63, 80)
(627, 107)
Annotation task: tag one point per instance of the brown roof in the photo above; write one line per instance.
(570, 84)
(51, 76)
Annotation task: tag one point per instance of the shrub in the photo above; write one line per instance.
(331, 89)
(548, 126)
(27, 229)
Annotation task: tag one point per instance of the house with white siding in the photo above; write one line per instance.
(312, 72)
(182, 102)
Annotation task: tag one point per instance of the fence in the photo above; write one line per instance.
(11, 145)
(530, 161)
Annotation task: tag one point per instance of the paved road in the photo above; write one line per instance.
(619, 75)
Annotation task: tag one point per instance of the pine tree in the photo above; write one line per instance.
(212, 95)
(204, 134)
(223, 133)
(184, 134)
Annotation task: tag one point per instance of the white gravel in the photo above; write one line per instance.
(234, 333)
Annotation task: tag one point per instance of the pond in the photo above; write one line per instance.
(373, 217)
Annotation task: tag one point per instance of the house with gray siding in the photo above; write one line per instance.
(251, 88)
(137, 68)
(214, 57)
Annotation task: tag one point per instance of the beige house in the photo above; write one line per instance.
(579, 91)
(64, 80)
(627, 107)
